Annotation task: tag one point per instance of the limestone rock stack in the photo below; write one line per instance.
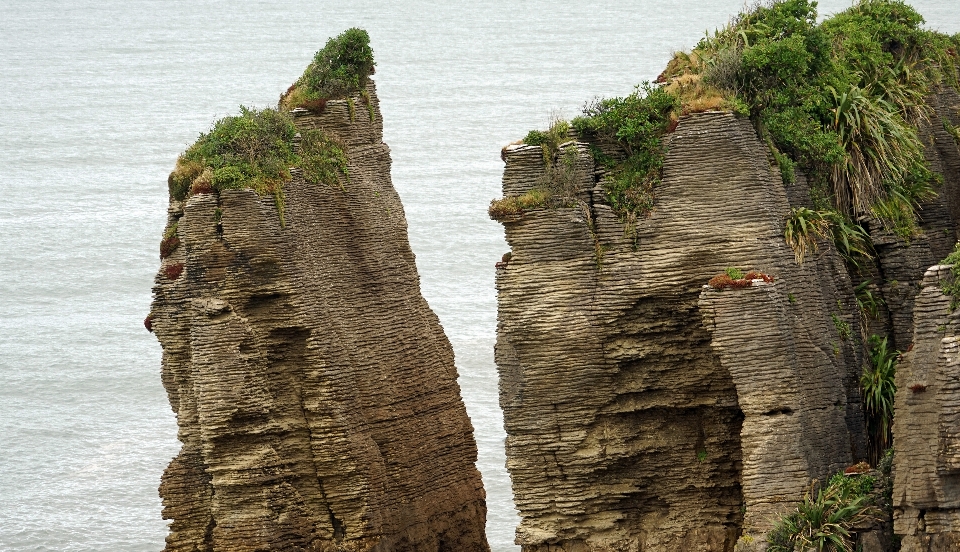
(642, 412)
(647, 411)
(314, 389)
(926, 426)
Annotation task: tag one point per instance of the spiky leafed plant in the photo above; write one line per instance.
(878, 388)
(824, 519)
(882, 151)
(804, 226)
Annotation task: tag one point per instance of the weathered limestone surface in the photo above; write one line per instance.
(315, 391)
(926, 427)
(634, 425)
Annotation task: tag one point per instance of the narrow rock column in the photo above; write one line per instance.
(791, 399)
(926, 425)
(315, 391)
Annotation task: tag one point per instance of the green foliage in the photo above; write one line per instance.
(840, 99)
(256, 150)
(825, 517)
(842, 326)
(514, 206)
(951, 286)
(637, 122)
(878, 388)
(803, 226)
(338, 70)
(550, 140)
(734, 273)
(251, 150)
(951, 130)
(867, 302)
(322, 159)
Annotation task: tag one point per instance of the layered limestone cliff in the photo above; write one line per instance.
(314, 389)
(648, 411)
(926, 428)
(642, 412)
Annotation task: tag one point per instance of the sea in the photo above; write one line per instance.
(97, 99)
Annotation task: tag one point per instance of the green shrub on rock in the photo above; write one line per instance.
(255, 150)
(337, 71)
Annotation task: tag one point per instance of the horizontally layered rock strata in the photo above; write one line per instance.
(646, 411)
(642, 412)
(315, 391)
(926, 427)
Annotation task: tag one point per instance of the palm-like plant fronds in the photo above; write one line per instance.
(878, 387)
(881, 149)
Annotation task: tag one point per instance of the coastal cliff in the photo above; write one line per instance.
(633, 423)
(315, 391)
(708, 288)
(648, 411)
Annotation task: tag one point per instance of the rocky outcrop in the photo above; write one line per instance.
(314, 389)
(642, 412)
(926, 427)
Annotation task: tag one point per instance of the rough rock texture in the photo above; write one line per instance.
(795, 386)
(640, 415)
(315, 391)
(926, 428)
(900, 263)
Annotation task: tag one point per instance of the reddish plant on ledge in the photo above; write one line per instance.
(148, 323)
(918, 388)
(723, 281)
(173, 271)
(201, 187)
(857, 469)
(168, 246)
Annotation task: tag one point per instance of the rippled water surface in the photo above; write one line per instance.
(98, 98)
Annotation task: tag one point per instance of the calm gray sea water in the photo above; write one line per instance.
(97, 99)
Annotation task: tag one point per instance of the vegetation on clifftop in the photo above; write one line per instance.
(337, 71)
(255, 150)
(840, 100)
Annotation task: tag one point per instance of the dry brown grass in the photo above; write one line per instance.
(297, 96)
(512, 207)
(695, 95)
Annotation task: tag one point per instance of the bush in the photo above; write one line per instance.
(804, 226)
(951, 285)
(168, 246)
(824, 518)
(173, 271)
(251, 150)
(514, 206)
(637, 122)
(550, 140)
(734, 278)
(256, 150)
(339, 70)
(878, 388)
(322, 159)
(839, 99)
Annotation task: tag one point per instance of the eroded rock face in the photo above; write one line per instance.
(642, 415)
(315, 390)
(926, 426)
